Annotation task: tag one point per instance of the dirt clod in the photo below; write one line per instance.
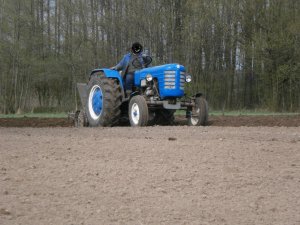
(172, 139)
(4, 212)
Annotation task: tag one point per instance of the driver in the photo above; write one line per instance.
(129, 64)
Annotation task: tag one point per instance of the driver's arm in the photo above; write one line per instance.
(120, 65)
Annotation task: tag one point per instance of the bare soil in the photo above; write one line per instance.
(152, 175)
(232, 121)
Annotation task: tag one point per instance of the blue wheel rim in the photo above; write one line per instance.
(97, 101)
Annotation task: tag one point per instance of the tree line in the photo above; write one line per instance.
(242, 54)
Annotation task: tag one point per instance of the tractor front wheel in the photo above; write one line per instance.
(138, 111)
(199, 112)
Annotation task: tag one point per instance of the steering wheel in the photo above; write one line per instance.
(147, 61)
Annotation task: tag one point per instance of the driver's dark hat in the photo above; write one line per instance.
(136, 48)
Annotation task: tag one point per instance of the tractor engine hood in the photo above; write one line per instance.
(170, 78)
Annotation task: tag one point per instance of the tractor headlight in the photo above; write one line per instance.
(149, 77)
(188, 78)
(143, 83)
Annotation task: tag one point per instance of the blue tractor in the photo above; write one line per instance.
(157, 93)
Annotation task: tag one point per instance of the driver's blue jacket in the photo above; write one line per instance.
(125, 62)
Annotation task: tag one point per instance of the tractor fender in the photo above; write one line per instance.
(134, 93)
(113, 74)
(110, 74)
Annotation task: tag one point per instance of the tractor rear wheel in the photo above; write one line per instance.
(103, 102)
(199, 115)
(138, 111)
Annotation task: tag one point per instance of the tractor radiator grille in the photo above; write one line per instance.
(170, 79)
(182, 80)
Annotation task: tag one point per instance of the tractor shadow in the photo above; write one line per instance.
(179, 121)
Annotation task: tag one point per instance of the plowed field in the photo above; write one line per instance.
(238, 170)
